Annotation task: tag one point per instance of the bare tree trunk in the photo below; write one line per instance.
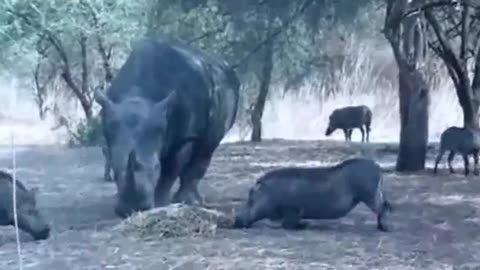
(470, 106)
(406, 37)
(265, 80)
(414, 101)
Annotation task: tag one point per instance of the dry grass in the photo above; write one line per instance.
(175, 220)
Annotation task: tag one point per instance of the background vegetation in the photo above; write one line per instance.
(63, 50)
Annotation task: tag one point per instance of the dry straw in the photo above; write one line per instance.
(175, 220)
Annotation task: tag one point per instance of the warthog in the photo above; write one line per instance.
(348, 118)
(293, 193)
(29, 217)
(163, 116)
(465, 141)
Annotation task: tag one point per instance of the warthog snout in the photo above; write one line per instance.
(329, 131)
(42, 235)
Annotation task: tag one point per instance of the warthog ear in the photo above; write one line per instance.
(159, 113)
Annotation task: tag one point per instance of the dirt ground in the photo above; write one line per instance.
(436, 219)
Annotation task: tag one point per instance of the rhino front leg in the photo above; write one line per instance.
(189, 179)
(170, 174)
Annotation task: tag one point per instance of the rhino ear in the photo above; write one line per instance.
(160, 111)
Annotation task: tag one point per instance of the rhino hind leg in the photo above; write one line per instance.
(292, 220)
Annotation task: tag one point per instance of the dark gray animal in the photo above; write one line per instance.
(290, 194)
(163, 116)
(348, 118)
(465, 141)
(29, 217)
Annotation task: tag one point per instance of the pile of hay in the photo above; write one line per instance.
(175, 220)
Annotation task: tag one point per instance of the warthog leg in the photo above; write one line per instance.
(475, 159)
(363, 133)
(345, 132)
(450, 159)
(367, 127)
(292, 219)
(438, 159)
(466, 163)
(380, 206)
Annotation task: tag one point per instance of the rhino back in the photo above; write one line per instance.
(207, 90)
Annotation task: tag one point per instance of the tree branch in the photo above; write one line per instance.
(206, 34)
(392, 29)
(84, 59)
(476, 74)
(275, 33)
(420, 7)
(57, 44)
(465, 36)
(446, 50)
(104, 53)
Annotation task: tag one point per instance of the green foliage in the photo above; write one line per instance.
(87, 133)
(82, 40)
(51, 31)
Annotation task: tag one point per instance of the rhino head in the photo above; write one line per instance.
(135, 129)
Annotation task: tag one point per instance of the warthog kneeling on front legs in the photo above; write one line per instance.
(290, 194)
